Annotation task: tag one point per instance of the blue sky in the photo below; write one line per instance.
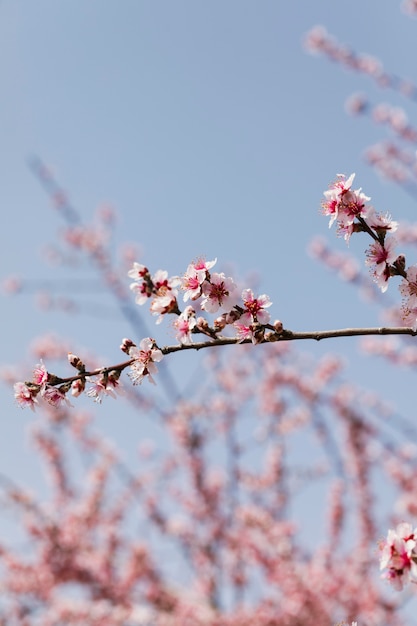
(212, 132)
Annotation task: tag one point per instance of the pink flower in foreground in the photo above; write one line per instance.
(142, 292)
(185, 324)
(344, 204)
(142, 287)
(25, 396)
(399, 555)
(256, 306)
(380, 257)
(145, 358)
(107, 385)
(408, 287)
(379, 222)
(333, 196)
(194, 277)
(40, 375)
(219, 293)
(138, 271)
(244, 327)
(54, 396)
(165, 292)
(409, 316)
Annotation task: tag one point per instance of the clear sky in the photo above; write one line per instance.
(212, 132)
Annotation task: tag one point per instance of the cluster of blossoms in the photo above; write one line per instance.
(399, 556)
(43, 385)
(54, 389)
(209, 293)
(351, 210)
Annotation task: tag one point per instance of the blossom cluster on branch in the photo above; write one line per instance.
(217, 294)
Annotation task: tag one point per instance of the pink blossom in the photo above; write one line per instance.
(334, 194)
(344, 205)
(185, 324)
(244, 327)
(142, 287)
(352, 206)
(25, 396)
(380, 257)
(54, 396)
(99, 389)
(201, 264)
(145, 358)
(256, 306)
(194, 277)
(399, 555)
(409, 316)
(220, 292)
(408, 287)
(77, 387)
(138, 271)
(164, 289)
(379, 222)
(142, 292)
(40, 375)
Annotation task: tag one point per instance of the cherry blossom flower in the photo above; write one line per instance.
(380, 257)
(333, 195)
(142, 287)
(138, 271)
(102, 387)
(344, 205)
(40, 375)
(185, 324)
(408, 287)
(399, 555)
(194, 277)
(244, 327)
(145, 358)
(256, 306)
(352, 206)
(380, 223)
(166, 294)
(54, 396)
(25, 396)
(248, 328)
(409, 317)
(219, 293)
(77, 387)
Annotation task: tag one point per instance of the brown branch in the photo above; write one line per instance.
(288, 335)
(284, 335)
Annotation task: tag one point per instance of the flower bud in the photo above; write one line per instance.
(220, 323)
(76, 362)
(278, 327)
(233, 316)
(77, 387)
(258, 333)
(399, 264)
(202, 324)
(114, 376)
(126, 345)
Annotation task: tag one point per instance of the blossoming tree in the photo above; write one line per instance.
(209, 527)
